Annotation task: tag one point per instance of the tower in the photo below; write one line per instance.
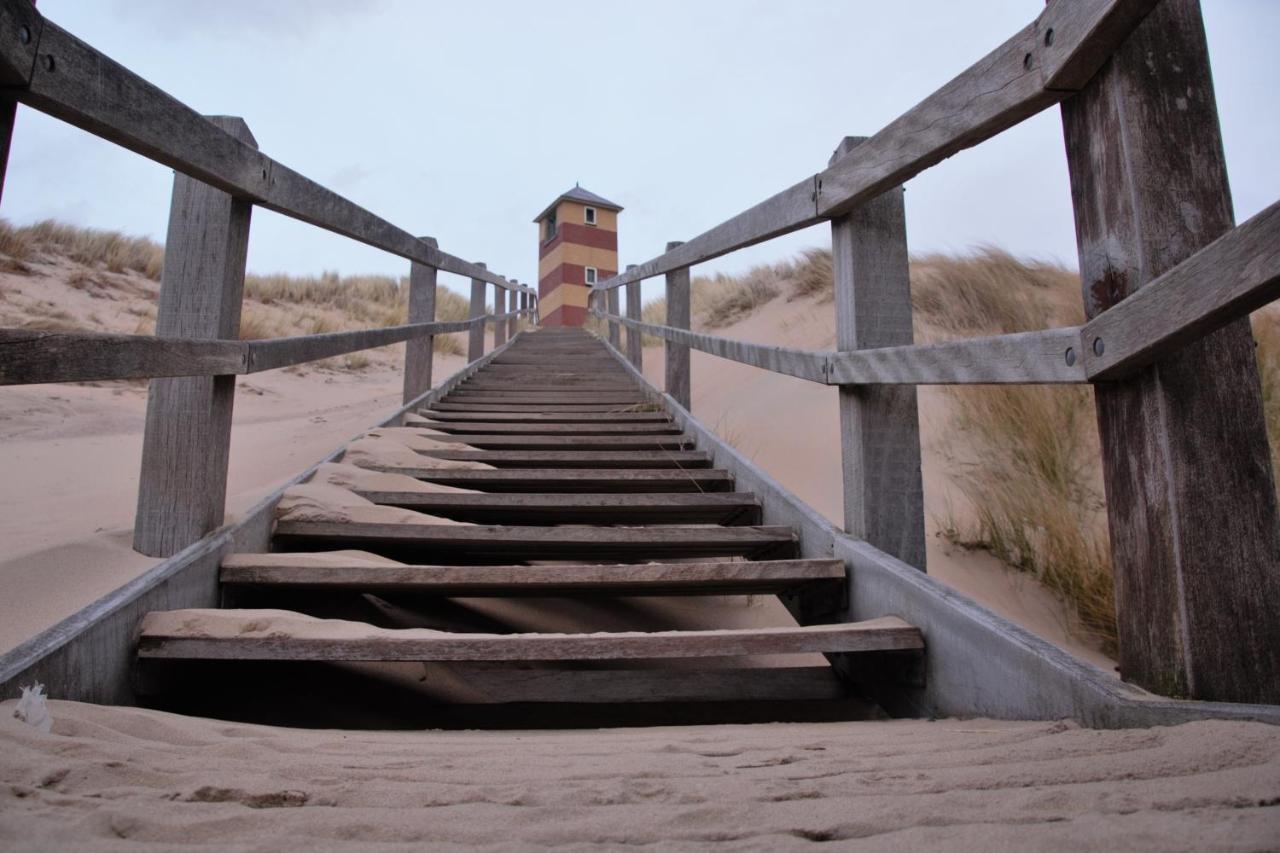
(577, 246)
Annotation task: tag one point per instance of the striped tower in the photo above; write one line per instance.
(577, 246)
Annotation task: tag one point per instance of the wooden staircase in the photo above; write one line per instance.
(593, 495)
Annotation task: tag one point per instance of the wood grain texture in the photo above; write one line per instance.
(564, 458)
(499, 308)
(31, 357)
(1190, 492)
(419, 352)
(611, 304)
(187, 440)
(887, 634)
(635, 338)
(88, 90)
(879, 425)
(1021, 358)
(574, 479)
(1232, 276)
(715, 578)
(475, 340)
(679, 375)
(579, 508)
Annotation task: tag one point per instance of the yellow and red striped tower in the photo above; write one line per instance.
(577, 246)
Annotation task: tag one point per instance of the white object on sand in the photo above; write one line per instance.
(32, 708)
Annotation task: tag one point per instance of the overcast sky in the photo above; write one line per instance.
(462, 120)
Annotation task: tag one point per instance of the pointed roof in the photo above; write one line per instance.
(580, 195)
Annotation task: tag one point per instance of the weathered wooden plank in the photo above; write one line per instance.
(879, 425)
(475, 340)
(274, 353)
(81, 86)
(718, 578)
(186, 445)
(1190, 491)
(499, 307)
(533, 425)
(445, 419)
(1235, 274)
(521, 395)
(484, 543)
(356, 641)
(635, 339)
(567, 442)
(479, 408)
(538, 509)
(615, 331)
(578, 458)
(790, 362)
(419, 352)
(30, 357)
(679, 376)
(1045, 357)
(574, 479)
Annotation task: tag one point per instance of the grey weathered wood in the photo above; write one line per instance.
(1016, 80)
(499, 308)
(187, 442)
(444, 420)
(553, 508)
(879, 425)
(615, 331)
(420, 352)
(475, 340)
(573, 479)
(886, 634)
(28, 357)
(577, 458)
(635, 338)
(513, 313)
(719, 578)
(273, 353)
(576, 442)
(1190, 492)
(534, 424)
(85, 88)
(1232, 276)
(678, 370)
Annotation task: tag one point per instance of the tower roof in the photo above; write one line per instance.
(578, 194)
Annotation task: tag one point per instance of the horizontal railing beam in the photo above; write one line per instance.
(30, 357)
(1044, 357)
(58, 74)
(1029, 72)
(1231, 277)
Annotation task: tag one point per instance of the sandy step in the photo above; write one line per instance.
(491, 543)
(729, 508)
(708, 578)
(577, 458)
(573, 479)
(283, 635)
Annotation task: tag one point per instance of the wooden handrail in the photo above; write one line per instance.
(80, 85)
(33, 357)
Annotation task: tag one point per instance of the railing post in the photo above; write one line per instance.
(635, 338)
(499, 308)
(879, 424)
(183, 483)
(512, 328)
(615, 328)
(1191, 499)
(678, 316)
(419, 352)
(524, 307)
(475, 338)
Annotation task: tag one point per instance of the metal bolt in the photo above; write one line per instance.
(1026, 62)
(1071, 356)
(24, 34)
(1048, 37)
(1098, 347)
(48, 62)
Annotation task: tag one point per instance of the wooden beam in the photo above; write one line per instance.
(552, 508)
(336, 640)
(678, 372)
(1050, 356)
(419, 352)
(573, 479)
(635, 338)
(575, 458)
(879, 424)
(1190, 492)
(1232, 276)
(475, 341)
(187, 440)
(615, 331)
(499, 307)
(32, 357)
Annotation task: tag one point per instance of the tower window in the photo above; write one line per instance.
(551, 226)
(591, 275)
(589, 215)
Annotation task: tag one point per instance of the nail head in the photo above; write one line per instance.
(1071, 356)
(1098, 346)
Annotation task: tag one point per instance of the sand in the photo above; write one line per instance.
(111, 778)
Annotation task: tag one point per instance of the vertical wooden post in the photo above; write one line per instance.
(1191, 500)
(419, 352)
(185, 450)
(678, 316)
(615, 329)
(499, 308)
(512, 326)
(635, 338)
(879, 424)
(524, 306)
(475, 338)
(9, 107)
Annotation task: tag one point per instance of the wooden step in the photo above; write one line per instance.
(552, 417)
(565, 442)
(577, 458)
(523, 395)
(541, 385)
(710, 578)
(488, 543)
(522, 408)
(274, 635)
(551, 427)
(540, 509)
(574, 479)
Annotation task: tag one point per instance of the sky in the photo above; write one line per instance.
(463, 120)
